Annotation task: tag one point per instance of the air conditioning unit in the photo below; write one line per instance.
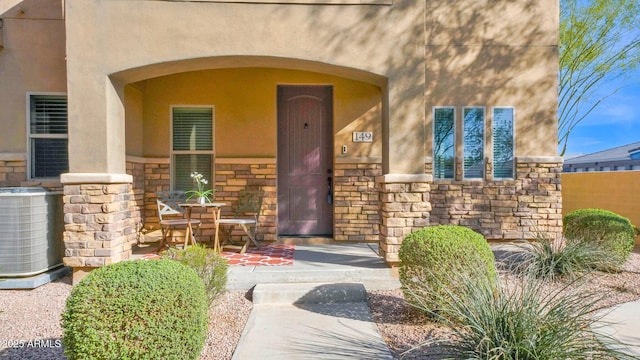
(31, 228)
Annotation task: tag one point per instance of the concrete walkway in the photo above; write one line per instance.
(311, 321)
(317, 309)
(623, 323)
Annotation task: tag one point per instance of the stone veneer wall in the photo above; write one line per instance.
(136, 170)
(155, 177)
(232, 176)
(499, 209)
(12, 172)
(100, 225)
(371, 207)
(356, 202)
(235, 175)
(503, 209)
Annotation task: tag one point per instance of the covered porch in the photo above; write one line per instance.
(120, 157)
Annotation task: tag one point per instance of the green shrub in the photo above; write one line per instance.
(210, 267)
(521, 322)
(549, 259)
(612, 232)
(153, 309)
(429, 255)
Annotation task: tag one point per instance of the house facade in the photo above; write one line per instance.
(361, 120)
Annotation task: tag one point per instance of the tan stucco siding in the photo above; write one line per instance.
(128, 38)
(495, 76)
(245, 111)
(381, 45)
(134, 114)
(32, 60)
(496, 53)
(491, 22)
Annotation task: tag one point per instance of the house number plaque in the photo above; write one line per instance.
(359, 136)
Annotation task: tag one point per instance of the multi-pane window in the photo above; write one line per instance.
(473, 146)
(443, 142)
(503, 150)
(192, 148)
(48, 138)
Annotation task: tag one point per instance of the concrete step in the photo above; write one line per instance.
(308, 293)
(321, 263)
(246, 277)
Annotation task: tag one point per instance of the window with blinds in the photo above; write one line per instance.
(503, 150)
(443, 142)
(473, 145)
(192, 147)
(48, 138)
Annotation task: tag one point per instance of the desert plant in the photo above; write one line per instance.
(145, 309)
(521, 322)
(608, 230)
(210, 267)
(429, 255)
(547, 258)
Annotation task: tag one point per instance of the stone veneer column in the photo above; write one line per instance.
(356, 202)
(404, 207)
(101, 219)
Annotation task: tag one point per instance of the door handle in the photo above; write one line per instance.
(330, 190)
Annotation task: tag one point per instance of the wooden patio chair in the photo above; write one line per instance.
(246, 216)
(171, 216)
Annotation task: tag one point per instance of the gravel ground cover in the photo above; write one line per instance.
(30, 323)
(403, 327)
(30, 319)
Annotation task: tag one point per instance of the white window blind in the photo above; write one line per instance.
(192, 145)
(503, 154)
(473, 146)
(48, 139)
(443, 142)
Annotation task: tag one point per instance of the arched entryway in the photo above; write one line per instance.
(245, 108)
(117, 52)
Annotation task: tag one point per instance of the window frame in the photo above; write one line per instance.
(484, 142)
(513, 139)
(172, 153)
(30, 136)
(433, 148)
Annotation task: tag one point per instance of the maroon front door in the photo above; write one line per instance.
(305, 158)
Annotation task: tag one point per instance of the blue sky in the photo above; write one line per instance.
(615, 122)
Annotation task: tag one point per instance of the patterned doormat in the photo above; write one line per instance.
(267, 255)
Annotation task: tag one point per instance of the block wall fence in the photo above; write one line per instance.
(617, 191)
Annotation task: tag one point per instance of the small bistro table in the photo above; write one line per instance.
(189, 236)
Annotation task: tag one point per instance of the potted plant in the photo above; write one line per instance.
(200, 193)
